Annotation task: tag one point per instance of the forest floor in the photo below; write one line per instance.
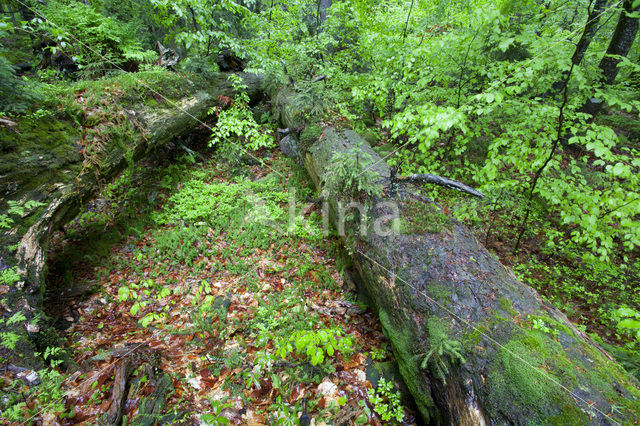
(208, 303)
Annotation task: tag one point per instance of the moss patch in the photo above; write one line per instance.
(403, 347)
(507, 306)
(518, 376)
(310, 134)
(533, 371)
(438, 292)
(419, 218)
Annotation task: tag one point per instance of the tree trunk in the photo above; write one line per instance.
(474, 344)
(620, 44)
(323, 6)
(590, 28)
(55, 175)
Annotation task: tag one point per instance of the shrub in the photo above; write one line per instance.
(96, 43)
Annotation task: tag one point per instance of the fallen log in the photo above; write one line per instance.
(57, 178)
(474, 344)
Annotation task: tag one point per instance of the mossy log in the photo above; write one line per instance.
(474, 344)
(49, 169)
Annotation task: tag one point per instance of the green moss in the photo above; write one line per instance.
(439, 292)
(419, 218)
(604, 373)
(571, 416)
(310, 134)
(403, 347)
(518, 378)
(533, 370)
(438, 329)
(45, 143)
(507, 306)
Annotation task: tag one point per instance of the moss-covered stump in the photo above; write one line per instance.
(474, 344)
(50, 168)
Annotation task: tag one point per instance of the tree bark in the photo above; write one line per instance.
(323, 6)
(474, 344)
(620, 44)
(590, 28)
(65, 186)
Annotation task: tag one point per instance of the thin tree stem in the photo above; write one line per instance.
(539, 172)
(406, 24)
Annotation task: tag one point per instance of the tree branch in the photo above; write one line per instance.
(440, 181)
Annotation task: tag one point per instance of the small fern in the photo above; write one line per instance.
(441, 349)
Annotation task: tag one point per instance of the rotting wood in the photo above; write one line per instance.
(520, 361)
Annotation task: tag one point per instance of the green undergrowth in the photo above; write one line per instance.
(231, 260)
(246, 210)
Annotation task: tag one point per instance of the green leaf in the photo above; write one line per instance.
(134, 308)
(504, 44)
(630, 323)
(123, 294)
(330, 350)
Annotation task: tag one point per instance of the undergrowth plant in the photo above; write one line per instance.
(236, 129)
(386, 401)
(97, 43)
(316, 344)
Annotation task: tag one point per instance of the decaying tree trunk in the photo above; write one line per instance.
(64, 186)
(474, 344)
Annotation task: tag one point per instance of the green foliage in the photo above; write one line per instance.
(236, 128)
(442, 350)
(628, 320)
(97, 42)
(10, 339)
(349, 174)
(386, 402)
(143, 295)
(253, 212)
(200, 66)
(379, 354)
(21, 210)
(5, 221)
(540, 324)
(202, 26)
(215, 418)
(9, 276)
(314, 344)
(50, 399)
(16, 96)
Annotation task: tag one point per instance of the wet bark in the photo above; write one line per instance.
(474, 344)
(64, 186)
